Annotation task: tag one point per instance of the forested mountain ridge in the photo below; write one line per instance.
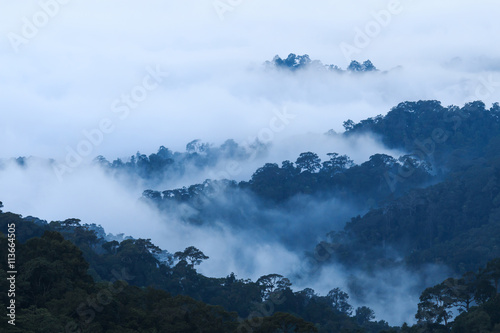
(60, 291)
(457, 149)
(438, 203)
(295, 62)
(436, 140)
(59, 281)
(451, 222)
(446, 136)
(166, 164)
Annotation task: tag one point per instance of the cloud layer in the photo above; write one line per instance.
(67, 77)
(92, 77)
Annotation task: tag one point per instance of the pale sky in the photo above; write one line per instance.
(71, 66)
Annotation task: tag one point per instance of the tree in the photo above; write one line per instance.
(348, 125)
(339, 302)
(355, 66)
(381, 161)
(435, 304)
(477, 321)
(492, 272)
(164, 153)
(364, 315)
(410, 164)
(308, 162)
(191, 254)
(196, 146)
(283, 322)
(307, 293)
(462, 291)
(83, 235)
(152, 195)
(68, 223)
(293, 62)
(484, 290)
(368, 66)
(271, 283)
(40, 320)
(231, 149)
(337, 163)
(288, 169)
(111, 247)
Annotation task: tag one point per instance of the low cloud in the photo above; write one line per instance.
(65, 79)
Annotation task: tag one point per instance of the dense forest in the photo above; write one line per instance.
(301, 62)
(72, 280)
(75, 281)
(437, 203)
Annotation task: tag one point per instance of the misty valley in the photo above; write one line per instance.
(397, 230)
(249, 166)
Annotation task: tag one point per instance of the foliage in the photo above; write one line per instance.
(437, 203)
(439, 303)
(58, 284)
(301, 62)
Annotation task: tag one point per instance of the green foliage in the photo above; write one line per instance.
(56, 284)
(166, 164)
(272, 283)
(435, 133)
(453, 222)
(477, 321)
(339, 301)
(277, 323)
(308, 162)
(439, 303)
(192, 254)
(364, 315)
(435, 304)
(102, 286)
(56, 294)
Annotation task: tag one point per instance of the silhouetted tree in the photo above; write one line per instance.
(308, 162)
(338, 299)
(191, 254)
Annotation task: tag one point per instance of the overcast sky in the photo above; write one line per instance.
(68, 74)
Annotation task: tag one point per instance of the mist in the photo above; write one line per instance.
(239, 233)
(94, 194)
(197, 73)
(211, 86)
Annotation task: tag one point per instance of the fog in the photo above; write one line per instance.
(393, 293)
(196, 73)
(96, 195)
(252, 243)
(239, 234)
(66, 78)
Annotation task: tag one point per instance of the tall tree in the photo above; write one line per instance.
(308, 162)
(364, 315)
(191, 254)
(337, 163)
(492, 272)
(271, 283)
(338, 299)
(435, 305)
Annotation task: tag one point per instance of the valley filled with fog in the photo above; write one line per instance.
(175, 122)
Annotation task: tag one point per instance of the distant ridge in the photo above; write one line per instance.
(296, 62)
